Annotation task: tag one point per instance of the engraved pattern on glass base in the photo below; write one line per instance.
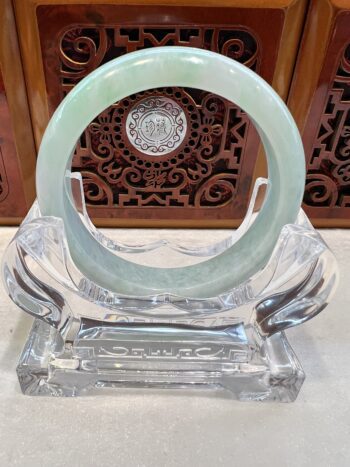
(234, 361)
(87, 339)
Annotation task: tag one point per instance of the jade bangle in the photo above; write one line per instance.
(164, 67)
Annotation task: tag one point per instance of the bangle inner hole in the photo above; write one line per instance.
(174, 150)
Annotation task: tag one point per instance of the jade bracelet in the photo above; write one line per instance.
(165, 67)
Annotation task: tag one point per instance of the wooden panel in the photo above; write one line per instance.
(320, 102)
(207, 180)
(17, 152)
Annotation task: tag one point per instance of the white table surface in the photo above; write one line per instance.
(149, 428)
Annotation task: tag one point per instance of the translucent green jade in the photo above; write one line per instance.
(188, 67)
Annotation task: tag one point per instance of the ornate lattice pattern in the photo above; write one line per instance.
(328, 176)
(205, 170)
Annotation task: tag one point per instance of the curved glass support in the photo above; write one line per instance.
(74, 181)
(42, 279)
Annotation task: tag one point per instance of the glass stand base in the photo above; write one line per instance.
(88, 340)
(234, 360)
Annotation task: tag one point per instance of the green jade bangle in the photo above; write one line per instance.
(164, 67)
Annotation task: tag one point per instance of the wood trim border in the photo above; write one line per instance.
(17, 99)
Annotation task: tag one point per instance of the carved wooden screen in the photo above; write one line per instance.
(208, 176)
(322, 111)
(328, 174)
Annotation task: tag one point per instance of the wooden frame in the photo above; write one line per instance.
(19, 149)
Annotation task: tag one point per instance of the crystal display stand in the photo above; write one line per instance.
(86, 339)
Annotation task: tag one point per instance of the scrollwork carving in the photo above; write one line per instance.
(218, 189)
(95, 189)
(320, 190)
(81, 51)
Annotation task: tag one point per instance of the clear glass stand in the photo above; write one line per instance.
(87, 340)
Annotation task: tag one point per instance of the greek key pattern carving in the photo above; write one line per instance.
(328, 172)
(190, 353)
(203, 169)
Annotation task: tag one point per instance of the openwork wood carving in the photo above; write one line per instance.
(328, 177)
(204, 168)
